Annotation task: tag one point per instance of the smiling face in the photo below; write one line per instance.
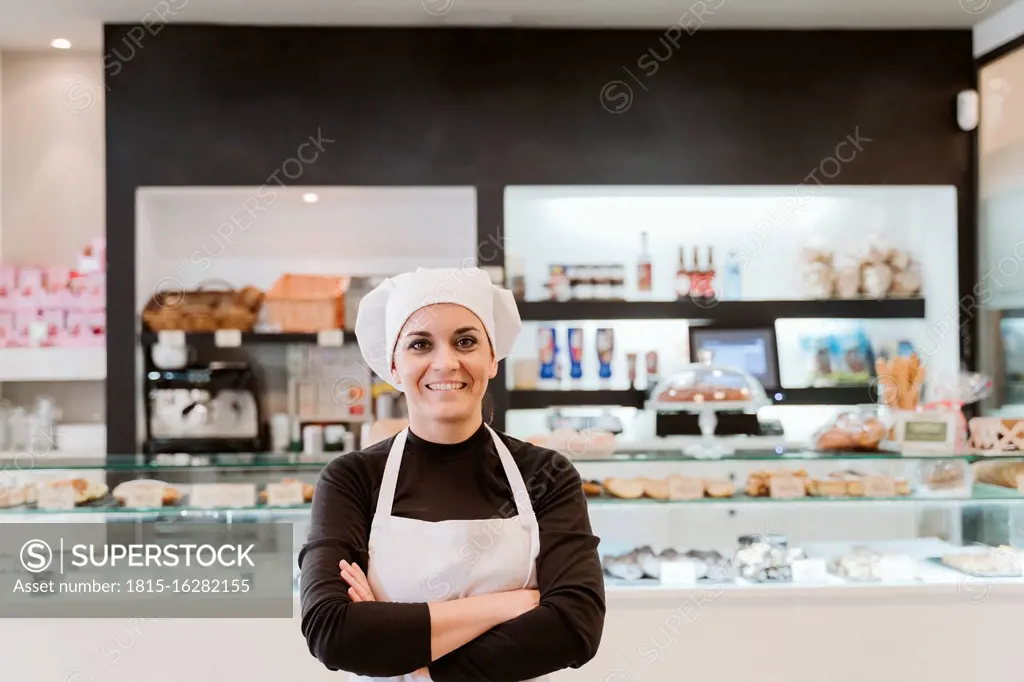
(443, 361)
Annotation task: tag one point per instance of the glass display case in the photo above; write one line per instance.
(752, 519)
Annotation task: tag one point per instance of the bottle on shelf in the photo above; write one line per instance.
(696, 275)
(643, 268)
(710, 276)
(731, 278)
(682, 275)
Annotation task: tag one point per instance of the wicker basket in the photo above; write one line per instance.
(307, 303)
(203, 310)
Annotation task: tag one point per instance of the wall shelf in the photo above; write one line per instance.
(814, 395)
(53, 364)
(732, 312)
(209, 339)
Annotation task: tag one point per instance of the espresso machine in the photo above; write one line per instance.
(208, 409)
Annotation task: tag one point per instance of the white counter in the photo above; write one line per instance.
(964, 629)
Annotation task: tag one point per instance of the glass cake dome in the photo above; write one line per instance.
(706, 386)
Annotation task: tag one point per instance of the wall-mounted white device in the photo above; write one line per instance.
(967, 109)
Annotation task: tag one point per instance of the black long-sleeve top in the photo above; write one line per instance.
(436, 483)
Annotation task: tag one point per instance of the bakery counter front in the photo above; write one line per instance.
(813, 565)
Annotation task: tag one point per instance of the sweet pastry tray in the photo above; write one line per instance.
(974, 574)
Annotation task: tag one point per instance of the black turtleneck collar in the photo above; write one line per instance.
(475, 444)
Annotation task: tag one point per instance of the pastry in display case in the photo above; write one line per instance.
(85, 491)
(307, 490)
(766, 557)
(988, 562)
(857, 430)
(644, 563)
(667, 488)
(696, 521)
(168, 494)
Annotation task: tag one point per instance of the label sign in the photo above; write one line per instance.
(206, 495)
(809, 571)
(787, 487)
(879, 486)
(679, 572)
(925, 431)
(171, 337)
(932, 433)
(56, 497)
(284, 494)
(330, 337)
(685, 488)
(896, 568)
(227, 338)
(143, 496)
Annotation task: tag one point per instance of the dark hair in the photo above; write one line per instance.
(488, 409)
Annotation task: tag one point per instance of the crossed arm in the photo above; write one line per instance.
(504, 637)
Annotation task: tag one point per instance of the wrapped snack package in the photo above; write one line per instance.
(853, 430)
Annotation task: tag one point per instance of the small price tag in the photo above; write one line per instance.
(810, 571)
(685, 488)
(208, 495)
(1020, 483)
(787, 487)
(330, 337)
(56, 497)
(227, 338)
(896, 568)
(879, 486)
(143, 496)
(171, 337)
(284, 494)
(679, 572)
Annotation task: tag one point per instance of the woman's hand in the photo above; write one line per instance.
(359, 589)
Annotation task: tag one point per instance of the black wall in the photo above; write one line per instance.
(203, 105)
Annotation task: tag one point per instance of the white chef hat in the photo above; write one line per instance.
(384, 311)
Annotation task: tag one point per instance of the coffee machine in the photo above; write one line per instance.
(209, 409)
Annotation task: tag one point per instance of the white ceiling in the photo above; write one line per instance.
(31, 24)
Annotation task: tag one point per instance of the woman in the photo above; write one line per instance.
(448, 552)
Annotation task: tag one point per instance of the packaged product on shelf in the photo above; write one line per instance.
(900, 381)
(854, 430)
(644, 274)
(732, 282)
(547, 352)
(558, 284)
(839, 359)
(651, 363)
(944, 478)
(631, 369)
(1002, 474)
(605, 351)
(575, 343)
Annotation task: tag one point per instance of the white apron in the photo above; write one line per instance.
(421, 561)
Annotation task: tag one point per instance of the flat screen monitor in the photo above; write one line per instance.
(752, 350)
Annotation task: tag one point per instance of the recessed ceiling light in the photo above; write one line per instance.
(310, 197)
(61, 43)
